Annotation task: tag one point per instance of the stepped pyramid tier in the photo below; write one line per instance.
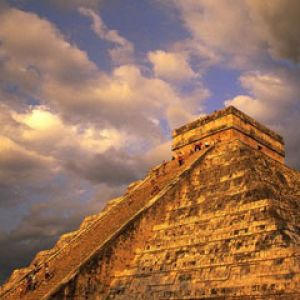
(223, 225)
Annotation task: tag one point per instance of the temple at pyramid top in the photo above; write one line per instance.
(225, 125)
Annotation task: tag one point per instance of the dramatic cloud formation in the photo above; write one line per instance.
(278, 24)
(60, 75)
(243, 29)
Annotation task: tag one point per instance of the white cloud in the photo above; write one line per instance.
(273, 95)
(252, 106)
(218, 28)
(277, 24)
(171, 66)
(47, 133)
(61, 76)
(274, 100)
(29, 56)
(243, 30)
(123, 53)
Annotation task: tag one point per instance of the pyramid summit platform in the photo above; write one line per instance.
(223, 225)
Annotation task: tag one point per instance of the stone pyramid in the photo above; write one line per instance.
(224, 225)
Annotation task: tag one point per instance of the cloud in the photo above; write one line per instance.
(27, 62)
(15, 160)
(123, 52)
(243, 31)
(127, 99)
(278, 25)
(274, 100)
(222, 28)
(81, 111)
(61, 76)
(171, 66)
(116, 167)
(35, 146)
(47, 133)
(111, 167)
(44, 222)
(30, 56)
(274, 95)
(252, 106)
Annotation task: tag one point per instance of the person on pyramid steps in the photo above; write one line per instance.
(155, 187)
(164, 165)
(207, 144)
(34, 282)
(47, 273)
(157, 172)
(198, 146)
(180, 159)
(28, 283)
(31, 282)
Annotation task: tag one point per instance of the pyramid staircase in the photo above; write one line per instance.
(75, 249)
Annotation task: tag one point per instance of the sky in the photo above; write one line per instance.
(90, 91)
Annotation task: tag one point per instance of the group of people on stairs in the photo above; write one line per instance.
(32, 281)
(180, 157)
(196, 147)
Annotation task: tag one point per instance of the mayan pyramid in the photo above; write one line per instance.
(224, 225)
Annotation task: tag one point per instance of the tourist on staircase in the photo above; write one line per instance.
(198, 146)
(180, 159)
(155, 187)
(164, 165)
(47, 273)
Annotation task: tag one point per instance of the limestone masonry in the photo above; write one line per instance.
(224, 225)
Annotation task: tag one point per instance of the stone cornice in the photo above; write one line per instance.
(230, 110)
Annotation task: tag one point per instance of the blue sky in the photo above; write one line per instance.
(90, 91)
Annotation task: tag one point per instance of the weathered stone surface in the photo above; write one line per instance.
(226, 225)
